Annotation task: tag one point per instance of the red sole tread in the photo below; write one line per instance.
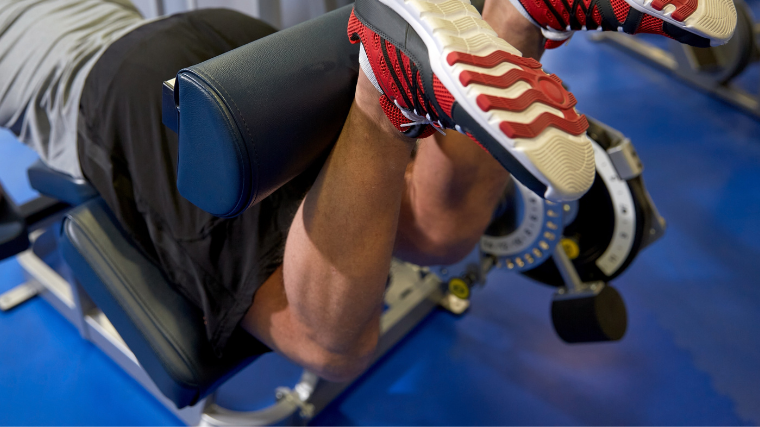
(684, 8)
(545, 89)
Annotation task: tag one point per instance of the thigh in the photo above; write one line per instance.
(130, 157)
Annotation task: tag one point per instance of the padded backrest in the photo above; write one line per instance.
(252, 119)
(164, 330)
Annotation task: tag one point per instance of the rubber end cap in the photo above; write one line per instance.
(601, 317)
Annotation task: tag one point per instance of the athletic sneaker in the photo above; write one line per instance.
(700, 23)
(439, 66)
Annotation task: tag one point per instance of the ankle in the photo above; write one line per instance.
(367, 102)
(514, 28)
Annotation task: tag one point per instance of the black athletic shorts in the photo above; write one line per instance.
(131, 158)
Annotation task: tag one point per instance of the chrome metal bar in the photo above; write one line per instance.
(158, 8)
(567, 270)
(19, 295)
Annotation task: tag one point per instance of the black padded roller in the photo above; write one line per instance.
(252, 119)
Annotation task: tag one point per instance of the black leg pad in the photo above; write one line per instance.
(596, 317)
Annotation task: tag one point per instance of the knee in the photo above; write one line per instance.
(439, 245)
(441, 237)
(347, 363)
(453, 248)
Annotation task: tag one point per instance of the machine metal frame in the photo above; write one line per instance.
(412, 294)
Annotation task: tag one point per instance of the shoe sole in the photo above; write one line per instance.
(711, 19)
(485, 74)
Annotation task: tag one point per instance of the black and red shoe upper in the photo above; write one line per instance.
(560, 17)
(481, 87)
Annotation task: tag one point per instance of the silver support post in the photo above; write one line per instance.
(270, 11)
(566, 268)
(574, 286)
(19, 295)
(158, 8)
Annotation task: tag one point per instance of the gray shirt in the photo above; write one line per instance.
(47, 48)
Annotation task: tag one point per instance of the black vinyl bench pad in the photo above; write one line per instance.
(162, 328)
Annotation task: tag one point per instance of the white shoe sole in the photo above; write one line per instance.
(563, 162)
(713, 19)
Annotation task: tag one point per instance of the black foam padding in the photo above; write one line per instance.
(58, 185)
(164, 330)
(254, 118)
(601, 317)
(13, 233)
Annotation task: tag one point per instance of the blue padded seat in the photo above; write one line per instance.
(164, 330)
(60, 186)
(253, 118)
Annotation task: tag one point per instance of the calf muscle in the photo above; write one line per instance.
(322, 307)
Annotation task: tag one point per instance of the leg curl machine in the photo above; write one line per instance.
(226, 115)
(577, 247)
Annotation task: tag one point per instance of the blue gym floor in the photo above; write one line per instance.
(691, 355)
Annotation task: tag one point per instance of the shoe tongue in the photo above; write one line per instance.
(367, 68)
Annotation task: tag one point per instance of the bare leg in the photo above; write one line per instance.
(453, 185)
(322, 308)
(511, 26)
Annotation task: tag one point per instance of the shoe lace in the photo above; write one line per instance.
(574, 23)
(413, 114)
(417, 120)
(607, 22)
(430, 118)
